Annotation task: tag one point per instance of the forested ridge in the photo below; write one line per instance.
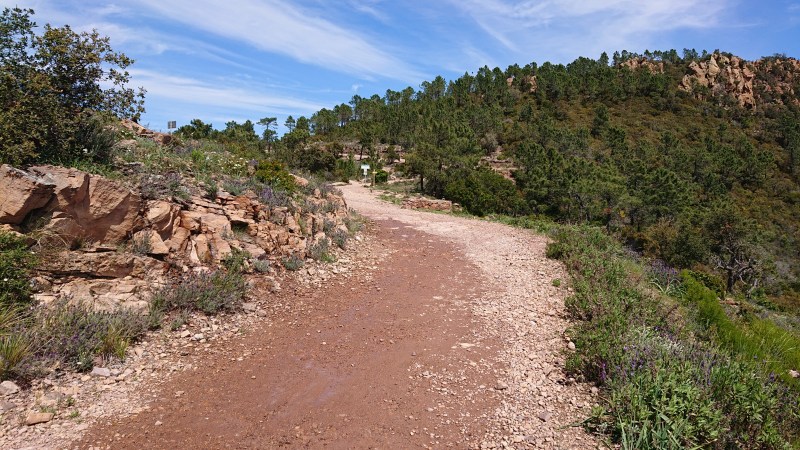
(701, 172)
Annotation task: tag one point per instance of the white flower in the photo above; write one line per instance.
(5, 279)
(85, 151)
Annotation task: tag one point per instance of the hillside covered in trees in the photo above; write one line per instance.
(692, 158)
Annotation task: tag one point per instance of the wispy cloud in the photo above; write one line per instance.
(205, 94)
(284, 28)
(588, 25)
(369, 7)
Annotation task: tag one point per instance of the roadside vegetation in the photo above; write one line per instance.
(63, 94)
(676, 369)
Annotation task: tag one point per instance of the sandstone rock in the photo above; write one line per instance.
(37, 418)
(220, 249)
(300, 181)
(101, 372)
(22, 193)
(178, 242)
(107, 265)
(154, 244)
(90, 207)
(190, 220)
(162, 217)
(712, 68)
(8, 387)
(201, 251)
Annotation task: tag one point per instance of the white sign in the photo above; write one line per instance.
(365, 168)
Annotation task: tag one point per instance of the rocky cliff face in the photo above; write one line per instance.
(750, 83)
(112, 246)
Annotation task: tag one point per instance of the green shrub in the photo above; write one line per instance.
(293, 262)
(16, 262)
(275, 175)
(74, 333)
(209, 292)
(236, 261)
(320, 251)
(667, 387)
(381, 176)
(261, 265)
(339, 237)
(14, 350)
(52, 83)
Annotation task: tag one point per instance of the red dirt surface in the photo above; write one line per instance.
(345, 366)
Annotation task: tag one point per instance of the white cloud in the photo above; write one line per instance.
(281, 27)
(206, 95)
(586, 26)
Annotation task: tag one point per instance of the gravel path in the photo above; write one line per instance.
(522, 309)
(433, 331)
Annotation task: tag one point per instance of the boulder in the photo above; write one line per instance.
(162, 217)
(22, 193)
(300, 181)
(37, 418)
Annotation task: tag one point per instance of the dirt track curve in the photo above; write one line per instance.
(452, 339)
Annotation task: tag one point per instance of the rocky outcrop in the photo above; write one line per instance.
(89, 208)
(724, 75)
(644, 62)
(140, 131)
(124, 245)
(22, 193)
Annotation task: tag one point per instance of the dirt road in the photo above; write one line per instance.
(452, 338)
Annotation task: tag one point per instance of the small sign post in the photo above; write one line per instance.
(365, 168)
(172, 124)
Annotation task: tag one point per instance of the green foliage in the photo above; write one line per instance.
(275, 175)
(236, 261)
(667, 387)
(209, 292)
(320, 251)
(777, 349)
(293, 262)
(381, 176)
(52, 85)
(16, 263)
(597, 142)
(484, 191)
(74, 333)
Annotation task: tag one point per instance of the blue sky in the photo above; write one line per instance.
(238, 60)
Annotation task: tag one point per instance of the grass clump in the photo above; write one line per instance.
(16, 263)
(209, 292)
(74, 334)
(293, 262)
(321, 251)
